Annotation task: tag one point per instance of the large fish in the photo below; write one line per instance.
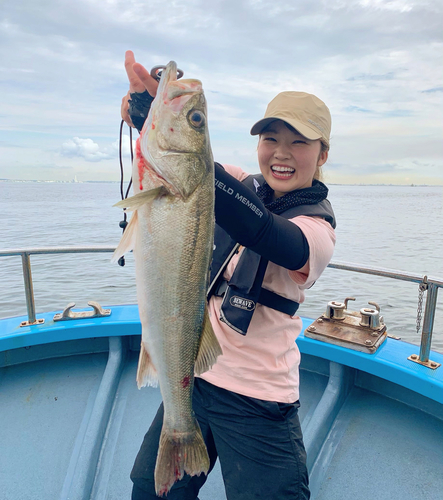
(171, 233)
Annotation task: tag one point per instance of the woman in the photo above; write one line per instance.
(274, 237)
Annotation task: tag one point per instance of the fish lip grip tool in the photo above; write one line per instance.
(156, 72)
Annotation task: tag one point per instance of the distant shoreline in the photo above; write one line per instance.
(118, 182)
(59, 182)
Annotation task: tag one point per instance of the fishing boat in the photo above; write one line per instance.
(72, 418)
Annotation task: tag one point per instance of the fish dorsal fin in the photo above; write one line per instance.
(140, 199)
(209, 347)
(127, 242)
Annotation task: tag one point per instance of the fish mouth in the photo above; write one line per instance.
(282, 172)
(179, 88)
(178, 94)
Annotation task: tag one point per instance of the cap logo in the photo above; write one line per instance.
(317, 125)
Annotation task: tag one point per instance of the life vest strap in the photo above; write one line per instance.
(266, 298)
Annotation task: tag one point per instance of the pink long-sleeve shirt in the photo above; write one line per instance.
(264, 364)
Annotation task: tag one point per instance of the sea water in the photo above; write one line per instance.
(394, 227)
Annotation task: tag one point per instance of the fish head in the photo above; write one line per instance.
(175, 141)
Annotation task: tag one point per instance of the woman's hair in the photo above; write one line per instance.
(324, 147)
(319, 171)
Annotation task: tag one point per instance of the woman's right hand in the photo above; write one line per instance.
(140, 80)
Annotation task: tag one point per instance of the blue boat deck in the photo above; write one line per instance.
(72, 418)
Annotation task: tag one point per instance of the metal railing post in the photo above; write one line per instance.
(428, 322)
(29, 290)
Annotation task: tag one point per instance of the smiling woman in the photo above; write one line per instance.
(287, 159)
(294, 141)
(273, 238)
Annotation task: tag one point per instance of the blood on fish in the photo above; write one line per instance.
(163, 491)
(186, 381)
(153, 126)
(171, 129)
(140, 162)
(141, 170)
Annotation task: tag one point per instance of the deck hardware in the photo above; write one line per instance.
(39, 321)
(371, 317)
(422, 287)
(429, 364)
(363, 331)
(335, 310)
(428, 323)
(347, 299)
(97, 312)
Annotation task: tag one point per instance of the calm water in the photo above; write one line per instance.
(393, 227)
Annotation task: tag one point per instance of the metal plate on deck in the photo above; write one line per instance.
(347, 333)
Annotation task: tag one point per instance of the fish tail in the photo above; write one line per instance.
(146, 372)
(177, 454)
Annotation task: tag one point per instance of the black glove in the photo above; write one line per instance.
(139, 106)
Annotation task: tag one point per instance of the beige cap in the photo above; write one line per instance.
(306, 113)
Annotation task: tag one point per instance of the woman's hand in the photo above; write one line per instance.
(140, 80)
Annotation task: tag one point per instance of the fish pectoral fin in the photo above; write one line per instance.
(209, 347)
(140, 199)
(127, 242)
(146, 372)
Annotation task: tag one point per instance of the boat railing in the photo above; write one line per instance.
(431, 285)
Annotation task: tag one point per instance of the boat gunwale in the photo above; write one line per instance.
(389, 362)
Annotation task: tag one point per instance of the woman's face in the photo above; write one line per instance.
(287, 159)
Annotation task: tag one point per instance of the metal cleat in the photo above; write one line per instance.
(364, 331)
(97, 312)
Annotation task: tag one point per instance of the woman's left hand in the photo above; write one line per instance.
(140, 80)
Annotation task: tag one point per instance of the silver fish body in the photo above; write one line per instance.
(171, 233)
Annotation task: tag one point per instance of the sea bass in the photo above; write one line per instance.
(171, 233)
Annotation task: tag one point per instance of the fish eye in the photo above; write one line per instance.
(196, 118)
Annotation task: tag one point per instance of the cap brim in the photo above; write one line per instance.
(303, 129)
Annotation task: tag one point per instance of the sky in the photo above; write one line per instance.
(377, 64)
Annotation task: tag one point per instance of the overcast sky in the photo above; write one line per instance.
(376, 63)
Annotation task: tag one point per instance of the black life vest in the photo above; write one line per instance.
(243, 291)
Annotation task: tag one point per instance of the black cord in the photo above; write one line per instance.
(124, 222)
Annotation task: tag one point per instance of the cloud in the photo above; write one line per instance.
(392, 5)
(84, 148)
(386, 76)
(90, 151)
(351, 109)
(432, 91)
(372, 61)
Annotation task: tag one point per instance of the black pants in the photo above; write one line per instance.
(259, 444)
